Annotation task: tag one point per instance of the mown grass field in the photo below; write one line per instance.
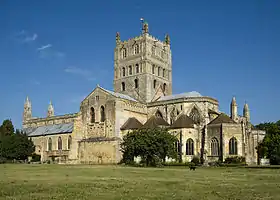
(19, 181)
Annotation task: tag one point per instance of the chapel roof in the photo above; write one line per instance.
(184, 121)
(155, 122)
(222, 119)
(49, 129)
(179, 96)
(131, 123)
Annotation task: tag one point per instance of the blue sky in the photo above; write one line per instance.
(60, 51)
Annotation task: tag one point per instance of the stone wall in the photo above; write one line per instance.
(98, 152)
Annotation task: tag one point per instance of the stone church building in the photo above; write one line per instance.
(142, 98)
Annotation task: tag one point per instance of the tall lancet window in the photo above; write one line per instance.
(102, 114)
(59, 143)
(214, 145)
(233, 146)
(92, 115)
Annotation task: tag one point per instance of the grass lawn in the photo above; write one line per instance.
(22, 181)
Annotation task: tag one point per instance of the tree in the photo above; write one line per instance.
(7, 128)
(152, 145)
(14, 145)
(270, 146)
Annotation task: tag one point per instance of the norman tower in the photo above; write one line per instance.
(143, 66)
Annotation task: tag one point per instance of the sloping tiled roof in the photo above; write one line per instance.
(50, 129)
(182, 95)
(155, 122)
(118, 95)
(222, 119)
(131, 123)
(184, 121)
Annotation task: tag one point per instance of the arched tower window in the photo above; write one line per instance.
(102, 114)
(136, 49)
(232, 146)
(136, 83)
(124, 53)
(194, 114)
(130, 70)
(123, 71)
(189, 147)
(214, 147)
(137, 68)
(69, 142)
(158, 114)
(155, 84)
(59, 143)
(92, 115)
(153, 69)
(123, 86)
(50, 144)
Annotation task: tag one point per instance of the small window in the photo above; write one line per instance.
(214, 146)
(97, 98)
(102, 114)
(124, 54)
(136, 49)
(153, 69)
(123, 86)
(59, 143)
(130, 69)
(189, 147)
(164, 87)
(69, 142)
(232, 146)
(181, 107)
(136, 83)
(158, 71)
(92, 115)
(155, 84)
(163, 73)
(137, 68)
(123, 71)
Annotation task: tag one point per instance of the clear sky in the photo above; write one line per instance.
(60, 50)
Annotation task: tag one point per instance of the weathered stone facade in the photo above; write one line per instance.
(142, 90)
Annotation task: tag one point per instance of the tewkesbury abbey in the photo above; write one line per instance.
(142, 98)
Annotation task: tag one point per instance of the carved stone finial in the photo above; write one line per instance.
(145, 27)
(118, 38)
(167, 39)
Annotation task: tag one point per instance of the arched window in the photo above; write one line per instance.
(102, 114)
(136, 49)
(189, 147)
(50, 144)
(153, 69)
(177, 146)
(124, 53)
(164, 87)
(163, 73)
(123, 71)
(158, 114)
(194, 114)
(130, 70)
(214, 147)
(92, 115)
(155, 84)
(136, 83)
(69, 142)
(59, 143)
(232, 146)
(123, 86)
(137, 68)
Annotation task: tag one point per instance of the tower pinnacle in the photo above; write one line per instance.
(50, 110)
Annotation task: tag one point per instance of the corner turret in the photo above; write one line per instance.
(50, 110)
(27, 113)
(233, 109)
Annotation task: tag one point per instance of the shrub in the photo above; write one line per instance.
(275, 159)
(195, 160)
(235, 160)
(36, 158)
(3, 160)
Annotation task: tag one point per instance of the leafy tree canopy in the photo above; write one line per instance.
(152, 145)
(270, 146)
(14, 145)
